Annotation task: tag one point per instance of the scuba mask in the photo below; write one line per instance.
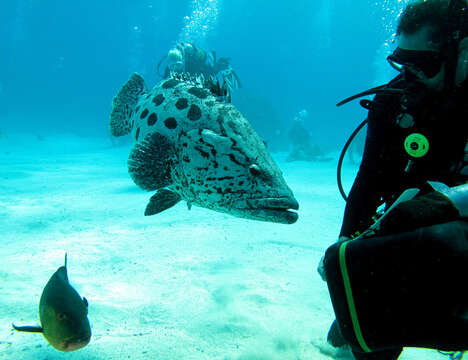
(425, 61)
(430, 63)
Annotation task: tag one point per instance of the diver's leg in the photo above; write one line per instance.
(392, 354)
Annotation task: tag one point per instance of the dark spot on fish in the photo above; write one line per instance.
(213, 152)
(181, 104)
(209, 191)
(170, 84)
(220, 120)
(194, 112)
(199, 92)
(170, 123)
(186, 159)
(241, 183)
(233, 159)
(158, 99)
(144, 113)
(234, 126)
(184, 144)
(226, 178)
(215, 164)
(137, 108)
(147, 96)
(225, 168)
(152, 119)
(219, 190)
(203, 153)
(137, 134)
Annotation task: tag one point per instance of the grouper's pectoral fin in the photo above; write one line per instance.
(162, 200)
(34, 329)
(150, 162)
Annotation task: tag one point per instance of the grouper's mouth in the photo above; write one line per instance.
(273, 209)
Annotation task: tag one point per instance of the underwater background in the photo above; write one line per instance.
(63, 61)
(182, 284)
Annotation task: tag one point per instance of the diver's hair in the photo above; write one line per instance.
(421, 13)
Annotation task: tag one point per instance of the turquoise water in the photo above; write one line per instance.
(183, 284)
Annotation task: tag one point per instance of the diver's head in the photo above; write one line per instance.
(175, 60)
(418, 56)
(429, 46)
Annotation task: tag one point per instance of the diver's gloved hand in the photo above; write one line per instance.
(321, 266)
(321, 269)
(426, 210)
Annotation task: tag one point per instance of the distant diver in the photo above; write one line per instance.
(191, 59)
(302, 147)
(63, 314)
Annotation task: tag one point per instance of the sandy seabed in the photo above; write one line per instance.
(178, 285)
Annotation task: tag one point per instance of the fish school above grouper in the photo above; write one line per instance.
(191, 144)
(63, 314)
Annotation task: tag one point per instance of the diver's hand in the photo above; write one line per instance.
(321, 266)
(321, 269)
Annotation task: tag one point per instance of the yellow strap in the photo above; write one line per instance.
(350, 299)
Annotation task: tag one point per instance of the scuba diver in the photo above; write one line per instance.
(302, 146)
(400, 280)
(191, 59)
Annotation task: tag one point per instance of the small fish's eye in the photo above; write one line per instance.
(254, 170)
(61, 317)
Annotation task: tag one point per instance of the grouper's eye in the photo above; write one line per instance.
(255, 170)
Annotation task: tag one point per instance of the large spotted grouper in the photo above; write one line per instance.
(191, 144)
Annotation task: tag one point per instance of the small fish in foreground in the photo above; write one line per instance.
(63, 314)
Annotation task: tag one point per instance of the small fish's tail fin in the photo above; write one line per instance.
(124, 104)
(35, 329)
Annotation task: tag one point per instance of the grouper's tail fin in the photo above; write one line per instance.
(124, 104)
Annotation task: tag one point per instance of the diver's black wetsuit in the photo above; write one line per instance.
(441, 117)
(387, 170)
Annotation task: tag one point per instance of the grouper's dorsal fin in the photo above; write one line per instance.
(124, 104)
(150, 162)
(162, 200)
(33, 329)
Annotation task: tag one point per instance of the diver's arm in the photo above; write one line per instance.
(361, 206)
(366, 192)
